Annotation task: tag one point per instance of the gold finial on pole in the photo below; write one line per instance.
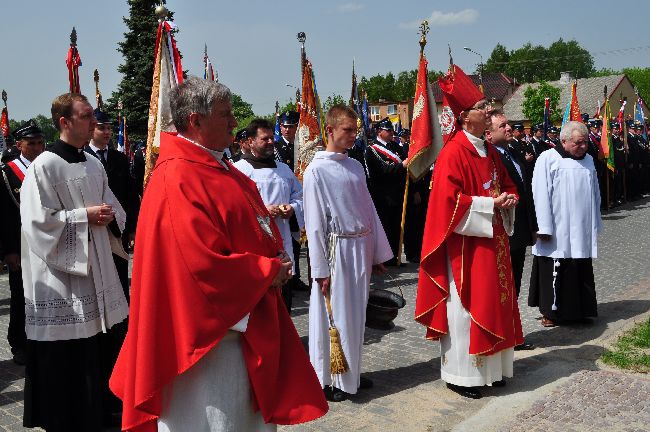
(161, 12)
(424, 29)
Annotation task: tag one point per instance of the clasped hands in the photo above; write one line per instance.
(505, 201)
(100, 215)
(286, 270)
(285, 211)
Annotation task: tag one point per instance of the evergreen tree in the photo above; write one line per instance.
(137, 70)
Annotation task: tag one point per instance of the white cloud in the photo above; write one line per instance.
(440, 19)
(350, 7)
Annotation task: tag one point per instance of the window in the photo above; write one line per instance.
(374, 113)
(391, 109)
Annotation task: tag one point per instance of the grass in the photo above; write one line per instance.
(632, 350)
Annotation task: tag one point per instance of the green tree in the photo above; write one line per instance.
(498, 60)
(332, 100)
(389, 88)
(533, 104)
(50, 134)
(137, 70)
(241, 109)
(568, 57)
(640, 78)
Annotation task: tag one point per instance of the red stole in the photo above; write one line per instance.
(203, 260)
(481, 267)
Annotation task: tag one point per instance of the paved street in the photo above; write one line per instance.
(559, 386)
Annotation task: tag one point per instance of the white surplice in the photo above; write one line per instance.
(567, 205)
(457, 365)
(346, 239)
(72, 290)
(277, 186)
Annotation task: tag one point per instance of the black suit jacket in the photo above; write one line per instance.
(525, 219)
(10, 214)
(121, 184)
(387, 179)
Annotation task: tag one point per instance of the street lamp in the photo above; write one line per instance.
(480, 67)
(297, 92)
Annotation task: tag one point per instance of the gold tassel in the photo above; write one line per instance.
(338, 363)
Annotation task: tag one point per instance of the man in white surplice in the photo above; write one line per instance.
(72, 290)
(567, 203)
(277, 184)
(346, 244)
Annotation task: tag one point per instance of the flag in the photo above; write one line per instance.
(365, 117)
(606, 145)
(547, 116)
(73, 61)
(123, 138)
(357, 105)
(426, 134)
(4, 123)
(167, 74)
(572, 111)
(309, 136)
(208, 72)
(639, 117)
(276, 132)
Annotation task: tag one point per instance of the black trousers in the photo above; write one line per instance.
(518, 258)
(122, 267)
(16, 332)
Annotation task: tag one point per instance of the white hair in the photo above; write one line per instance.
(572, 126)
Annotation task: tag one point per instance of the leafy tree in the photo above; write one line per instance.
(498, 60)
(533, 105)
(532, 63)
(240, 108)
(332, 100)
(389, 88)
(50, 134)
(137, 70)
(640, 78)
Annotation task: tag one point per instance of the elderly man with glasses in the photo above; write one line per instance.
(567, 203)
(466, 293)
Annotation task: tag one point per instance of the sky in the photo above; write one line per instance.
(253, 46)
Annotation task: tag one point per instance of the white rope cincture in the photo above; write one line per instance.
(556, 266)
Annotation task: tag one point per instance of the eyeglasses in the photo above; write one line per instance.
(483, 106)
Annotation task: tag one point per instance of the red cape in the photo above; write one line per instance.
(480, 266)
(202, 262)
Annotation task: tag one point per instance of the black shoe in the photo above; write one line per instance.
(525, 347)
(20, 358)
(468, 392)
(300, 286)
(414, 260)
(334, 394)
(500, 383)
(365, 383)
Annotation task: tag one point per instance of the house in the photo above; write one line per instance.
(497, 87)
(395, 111)
(590, 94)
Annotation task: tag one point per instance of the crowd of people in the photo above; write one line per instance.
(200, 337)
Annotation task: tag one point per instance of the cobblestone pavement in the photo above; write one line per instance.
(408, 393)
(590, 401)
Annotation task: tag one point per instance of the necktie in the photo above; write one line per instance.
(102, 156)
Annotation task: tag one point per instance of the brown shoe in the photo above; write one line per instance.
(547, 322)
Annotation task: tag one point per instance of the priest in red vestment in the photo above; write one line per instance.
(466, 296)
(210, 344)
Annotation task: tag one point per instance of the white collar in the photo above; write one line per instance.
(24, 161)
(478, 143)
(96, 149)
(218, 155)
(384, 143)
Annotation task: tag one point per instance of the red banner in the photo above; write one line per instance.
(4, 122)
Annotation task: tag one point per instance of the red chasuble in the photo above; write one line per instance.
(481, 267)
(205, 256)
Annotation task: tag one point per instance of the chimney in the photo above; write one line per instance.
(565, 77)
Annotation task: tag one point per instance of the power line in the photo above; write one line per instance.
(573, 56)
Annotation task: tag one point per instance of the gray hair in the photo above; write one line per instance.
(572, 126)
(195, 95)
